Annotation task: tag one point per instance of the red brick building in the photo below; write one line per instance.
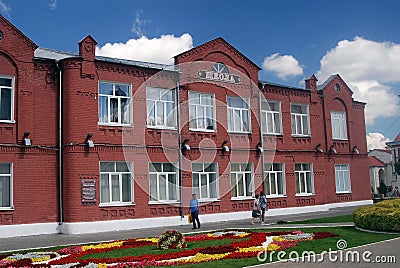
(90, 143)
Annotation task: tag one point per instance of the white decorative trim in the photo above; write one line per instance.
(134, 224)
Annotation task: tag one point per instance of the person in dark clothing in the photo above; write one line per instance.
(263, 206)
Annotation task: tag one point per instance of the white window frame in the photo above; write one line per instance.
(110, 175)
(197, 107)
(298, 119)
(158, 174)
(235, 176)
(118, 98)
(12, 88)
(232, 128)
(270, 174)
(339, 127)
(153, 104)
(342, 178)
(199, 188)
(10, 176)
(268, 114)
(303, 175)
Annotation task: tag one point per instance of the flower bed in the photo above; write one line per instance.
(245, 244)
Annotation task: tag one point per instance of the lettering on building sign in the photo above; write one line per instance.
(219, 73)
(88, 191)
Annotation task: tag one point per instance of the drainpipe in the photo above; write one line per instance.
(178, 125)
(60, 151)
(261, 138)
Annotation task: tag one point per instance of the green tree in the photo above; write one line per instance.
(382, 188)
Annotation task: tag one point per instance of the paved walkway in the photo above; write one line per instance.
(40, 241)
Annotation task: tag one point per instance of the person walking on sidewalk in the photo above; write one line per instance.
(194, 211)
(263, 206)
(256, 209)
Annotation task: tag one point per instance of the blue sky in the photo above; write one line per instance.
(289, 40)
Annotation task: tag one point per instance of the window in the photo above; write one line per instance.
(114, 103)
(205, 183)
(241, 180)
(238, 115)
(342, 178)
(5, 185)
(116, 182)
(6, 99)
(304, 178)
(201, 111)
(274, 179)
(339, 130)
(271, 117)
(300, 120)
(160, 107)
(163, 182)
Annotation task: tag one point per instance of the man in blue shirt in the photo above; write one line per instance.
(194, 210)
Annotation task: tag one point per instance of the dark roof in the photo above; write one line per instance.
(47, 53)
(266, 83)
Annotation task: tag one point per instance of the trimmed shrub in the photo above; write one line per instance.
(171, 239)
(382, 216)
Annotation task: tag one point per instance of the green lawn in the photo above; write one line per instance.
(336, 219)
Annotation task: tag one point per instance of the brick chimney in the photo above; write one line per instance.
(311, 83)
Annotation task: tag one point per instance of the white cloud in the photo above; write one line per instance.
(283, 66)
(138, 24)
(157, 50)
(370, 68)
(376, 141)
(4, 8)
(53, 4)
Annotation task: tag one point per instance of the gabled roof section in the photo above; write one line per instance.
(20, 34)
(375, 162)
(213, 42)
(330, 79)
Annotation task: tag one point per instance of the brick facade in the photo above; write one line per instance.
(36, 180)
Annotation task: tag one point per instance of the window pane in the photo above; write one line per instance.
(153, 187)
(126, 188)
(5, 104)
(5, 168)
(115, 188)
(154, 167)
(204, 183)
(163, 187)
(5, 191)
(309, 183)
(277, 123)
(168, 167)
(280, 183)
(234, 185)
(114, 110)
(235, 167)
(107, 166)
(305, 125)
(245, 119)
(237, 121)
(172, 187)
(125, 111)
(159, 114)
(122, 90)
(297, 182)
(192, 116)
(197, 167)
(209, 167)
(273, 184)
(213, 185)
(167, 95)
(122, 167)
(152, 93)
(240, 184)
(103, 109)
(267, 185)
(104, 189)
(249, 185)
(151, 117)
(106, 89)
